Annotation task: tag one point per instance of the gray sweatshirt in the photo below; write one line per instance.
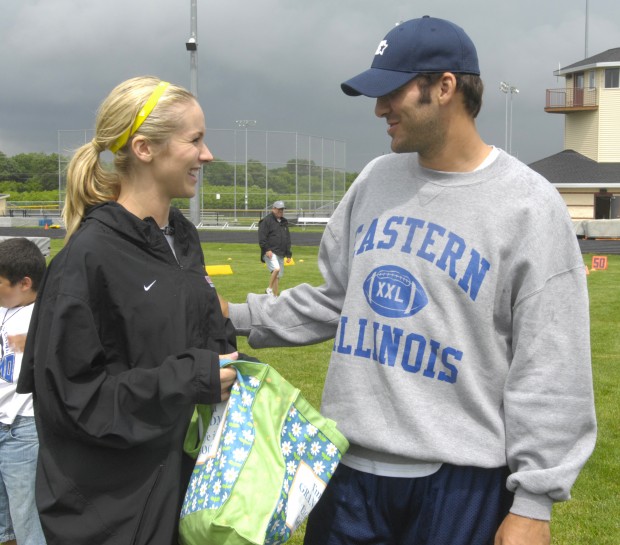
(459, 310)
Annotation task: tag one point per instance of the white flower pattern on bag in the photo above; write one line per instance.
(301, 443)
(212, 482)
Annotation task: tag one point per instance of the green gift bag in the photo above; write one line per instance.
(265, 459)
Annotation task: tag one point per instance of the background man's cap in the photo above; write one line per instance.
(278, 204)
(418, 46)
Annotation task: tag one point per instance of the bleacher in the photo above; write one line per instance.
(305, 221)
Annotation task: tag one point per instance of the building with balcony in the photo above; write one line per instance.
(587, 172)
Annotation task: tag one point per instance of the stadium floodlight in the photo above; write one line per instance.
(508, 89)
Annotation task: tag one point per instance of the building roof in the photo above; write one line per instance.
(611, 57)
(570, 167)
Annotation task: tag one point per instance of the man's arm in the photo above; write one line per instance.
(548, 397)
(263, 234)
(301, 315)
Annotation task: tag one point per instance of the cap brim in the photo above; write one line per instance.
(376, 82)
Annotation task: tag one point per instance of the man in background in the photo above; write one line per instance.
(274, 240)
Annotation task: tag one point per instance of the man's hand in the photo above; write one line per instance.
(517, 530)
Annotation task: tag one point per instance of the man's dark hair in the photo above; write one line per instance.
(20, 257)
(469, 85)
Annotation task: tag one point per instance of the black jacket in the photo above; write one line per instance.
(123, 342)
(274, 235)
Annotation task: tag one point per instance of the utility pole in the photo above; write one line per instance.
(195, 203)
(586, 41)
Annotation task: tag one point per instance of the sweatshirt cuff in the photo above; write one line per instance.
(208, 379)
(533, 506)
(240, 316)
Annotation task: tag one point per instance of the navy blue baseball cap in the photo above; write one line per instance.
(419, 46)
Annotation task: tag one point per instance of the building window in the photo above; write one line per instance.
(592, 83)
(612, 77)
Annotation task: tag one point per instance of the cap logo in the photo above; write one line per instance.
(382, 47)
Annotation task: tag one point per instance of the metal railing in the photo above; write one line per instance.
(571, 97)
(49, 213)
(30, 208)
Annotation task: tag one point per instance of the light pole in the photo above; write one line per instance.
(508, 89)
(586, 38)
(245, 123)
(195, 203)
(235, 174)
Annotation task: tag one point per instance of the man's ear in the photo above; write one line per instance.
(447, 87)
(142, 148)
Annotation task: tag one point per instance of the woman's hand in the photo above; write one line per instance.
(224, 306)
(228, 375)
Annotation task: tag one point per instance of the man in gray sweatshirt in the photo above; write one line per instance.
(456, 296)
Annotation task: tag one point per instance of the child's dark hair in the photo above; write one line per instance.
(20, 257)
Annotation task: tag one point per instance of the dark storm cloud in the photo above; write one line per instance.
(279, 62)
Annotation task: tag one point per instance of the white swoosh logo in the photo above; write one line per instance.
(147, 288)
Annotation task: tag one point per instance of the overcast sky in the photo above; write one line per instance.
(280, 62)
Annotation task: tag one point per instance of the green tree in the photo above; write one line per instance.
(39, 168)
(301, 166)
(8, 169)
(256, 173)
(281, 181)
(38, 173)
(219, 173)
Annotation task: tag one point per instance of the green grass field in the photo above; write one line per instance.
(593, 515)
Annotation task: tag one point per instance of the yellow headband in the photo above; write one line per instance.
(142, 115)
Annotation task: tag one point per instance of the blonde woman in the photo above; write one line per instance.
(127, 332)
